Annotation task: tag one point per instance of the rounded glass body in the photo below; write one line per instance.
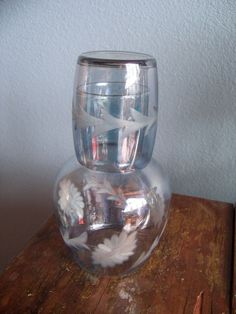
(113, 202)
(111, 221)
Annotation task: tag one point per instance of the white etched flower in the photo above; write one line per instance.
(70, 199)
(115, 250)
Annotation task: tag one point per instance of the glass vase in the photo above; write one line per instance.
(113, 200)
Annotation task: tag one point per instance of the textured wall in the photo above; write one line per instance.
(194, 44)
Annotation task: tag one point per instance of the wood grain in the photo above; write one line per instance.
(189, 272)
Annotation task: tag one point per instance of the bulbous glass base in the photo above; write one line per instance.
(111, 221)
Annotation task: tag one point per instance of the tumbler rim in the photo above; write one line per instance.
(116, 58)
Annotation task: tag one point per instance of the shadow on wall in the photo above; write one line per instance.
(27, 177)
(21, 216)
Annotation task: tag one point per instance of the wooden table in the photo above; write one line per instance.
(190, 272)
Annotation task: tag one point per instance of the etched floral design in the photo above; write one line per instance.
(78, 242)
(108, 122)
(104, 187)
(70, 199)
(116, 250)
(101, 187)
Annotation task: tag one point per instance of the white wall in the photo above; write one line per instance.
(194, 44)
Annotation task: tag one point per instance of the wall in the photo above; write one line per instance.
(194, 44)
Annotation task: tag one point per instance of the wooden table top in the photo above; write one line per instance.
(191, 270)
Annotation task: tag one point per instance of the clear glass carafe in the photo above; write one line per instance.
(113, 201)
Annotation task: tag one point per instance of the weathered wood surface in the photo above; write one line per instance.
(234, 267)
(189, 272)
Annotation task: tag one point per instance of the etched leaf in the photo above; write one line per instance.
(100, 187)
(116, 250)
(143, 120)
(108, 122)
(126, 125)
(77, 242)
(104, 187)
(86, 120)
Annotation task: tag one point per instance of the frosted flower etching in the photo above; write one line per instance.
(70, 199)
(115, 250)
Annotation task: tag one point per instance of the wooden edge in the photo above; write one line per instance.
(199, 198)
(233, 280)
